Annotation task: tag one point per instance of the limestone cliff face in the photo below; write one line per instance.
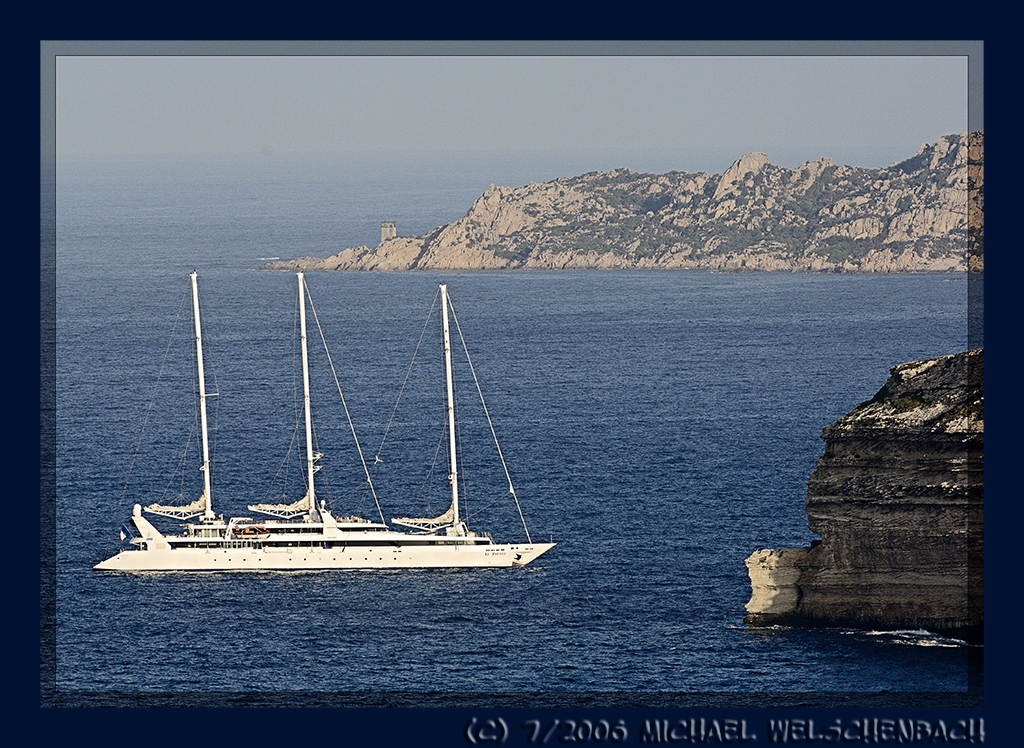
(914, 216)
(897, 499)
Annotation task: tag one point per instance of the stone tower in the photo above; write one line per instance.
(387, 231)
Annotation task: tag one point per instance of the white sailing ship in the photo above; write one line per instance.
(305, 535)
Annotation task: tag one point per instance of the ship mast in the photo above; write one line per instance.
(310, 468)
(206, 500)
(453, 475)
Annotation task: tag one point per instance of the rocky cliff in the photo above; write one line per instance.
(923, 214)
(897, 499)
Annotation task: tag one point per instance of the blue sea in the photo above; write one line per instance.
(659, 426)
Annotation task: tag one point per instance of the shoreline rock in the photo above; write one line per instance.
(898, 500)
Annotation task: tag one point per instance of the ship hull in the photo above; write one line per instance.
(311, 559)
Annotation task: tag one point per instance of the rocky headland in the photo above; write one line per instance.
(923, 214)
(897, 499)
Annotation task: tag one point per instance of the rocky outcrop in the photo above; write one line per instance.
(976, 203)
(897, 499)
(913, 216)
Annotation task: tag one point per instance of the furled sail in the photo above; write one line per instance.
(423, 523)
(184, 511)
(285, 511)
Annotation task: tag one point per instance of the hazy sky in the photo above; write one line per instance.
(881, 102)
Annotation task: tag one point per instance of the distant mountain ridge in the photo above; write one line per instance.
(923, 214)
